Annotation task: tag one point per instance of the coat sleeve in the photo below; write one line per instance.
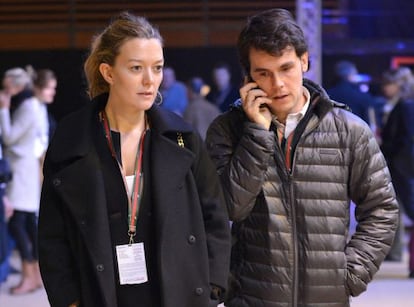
(25, 119)
(376, 211)
(56, 259)
(242, 156)
(216, 221)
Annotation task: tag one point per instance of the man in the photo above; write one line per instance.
(223, 93)
(174, 92)
(394, 139)
(347, 90)
(291, 160)
(200, 112)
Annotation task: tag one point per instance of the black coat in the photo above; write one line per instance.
(192, 237)
(358, 101)
(398, 149)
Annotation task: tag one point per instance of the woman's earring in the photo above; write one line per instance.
(158, 99)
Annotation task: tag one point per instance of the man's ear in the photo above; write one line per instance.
(305, 61)
(106, 72)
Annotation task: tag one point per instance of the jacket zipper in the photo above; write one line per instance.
(294, 245)
(281, 160)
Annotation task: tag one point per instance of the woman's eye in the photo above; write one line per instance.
(158, 68)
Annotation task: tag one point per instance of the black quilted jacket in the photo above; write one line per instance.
(291, 239)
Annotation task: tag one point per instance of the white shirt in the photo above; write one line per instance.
(293, 119)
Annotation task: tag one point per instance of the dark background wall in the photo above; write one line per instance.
(57, 34)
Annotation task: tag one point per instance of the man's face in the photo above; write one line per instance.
(281, 78)
(391, 90)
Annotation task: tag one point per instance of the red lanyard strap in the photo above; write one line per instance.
(137, 187)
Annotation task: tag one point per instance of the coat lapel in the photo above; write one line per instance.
(170, 164)
(85, 195)
(87, 202)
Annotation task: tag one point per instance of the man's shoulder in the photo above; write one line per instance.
(232, 119)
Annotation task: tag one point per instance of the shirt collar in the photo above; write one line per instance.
(293, 119)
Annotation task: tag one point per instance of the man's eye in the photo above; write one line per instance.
(136, 68)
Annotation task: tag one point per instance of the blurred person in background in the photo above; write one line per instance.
(200, 112)
(5, 213)
(174, 92)
(19, 123)
(407, 76)
(392, 92)
(347, 90)
(44, 88)
(398, 148)
(392, 135)
(223, 92)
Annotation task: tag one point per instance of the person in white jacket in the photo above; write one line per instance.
(19, 125)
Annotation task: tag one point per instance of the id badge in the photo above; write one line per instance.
(131, 264)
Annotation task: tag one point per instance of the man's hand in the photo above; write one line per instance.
(254, 103)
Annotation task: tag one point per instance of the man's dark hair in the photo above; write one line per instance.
(270, 31)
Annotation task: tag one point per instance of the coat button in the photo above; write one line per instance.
(100, 267)
(191, 239)
(199, 291)
(56, 182)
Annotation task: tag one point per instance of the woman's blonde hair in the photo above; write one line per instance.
(105, 47)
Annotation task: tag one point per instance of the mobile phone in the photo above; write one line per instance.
(250, 79)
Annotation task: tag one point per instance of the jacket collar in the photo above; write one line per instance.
(320, 101)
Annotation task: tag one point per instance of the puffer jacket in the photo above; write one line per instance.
(291, 228)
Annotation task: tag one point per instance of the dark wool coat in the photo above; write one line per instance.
(291, 228)
(398, 149)
(192, 233)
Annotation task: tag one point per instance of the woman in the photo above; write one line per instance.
(398, 149)
(19, 119)
(44, 88)
(132, 213)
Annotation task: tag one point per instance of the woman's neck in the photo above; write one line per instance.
(125, 121)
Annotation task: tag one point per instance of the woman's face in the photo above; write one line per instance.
(47, 94)
(136, 75)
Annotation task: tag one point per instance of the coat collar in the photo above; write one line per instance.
(75, 128)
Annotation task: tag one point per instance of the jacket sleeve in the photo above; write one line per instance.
(25, 119)
(55, 256)
(241, 155)
(376, 211)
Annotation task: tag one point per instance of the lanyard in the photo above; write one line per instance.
(286, 145)
(288, 151)
(135, 200)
